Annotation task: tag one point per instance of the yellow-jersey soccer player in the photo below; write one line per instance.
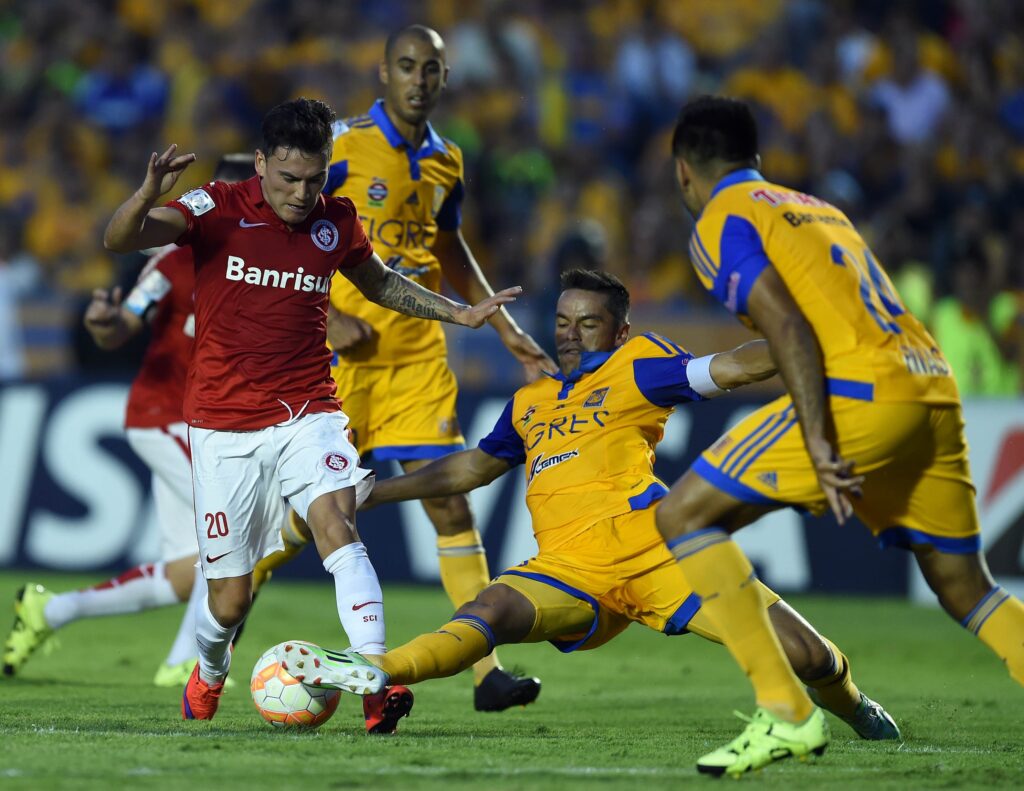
(392, 374)
(586, 438)
(872, 423)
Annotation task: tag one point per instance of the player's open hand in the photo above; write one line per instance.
(477, 315)
(837, 480)
(164, 171)
(533, 358)
(346, 332)
(104, 310)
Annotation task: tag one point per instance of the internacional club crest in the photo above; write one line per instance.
(325, 235)
(335, 462)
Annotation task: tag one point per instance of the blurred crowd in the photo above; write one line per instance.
(907, 115)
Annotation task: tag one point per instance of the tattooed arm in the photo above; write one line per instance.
(397, 292)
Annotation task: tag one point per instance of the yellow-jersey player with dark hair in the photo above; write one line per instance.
(872, 423)
(586, 438)
(393, 376)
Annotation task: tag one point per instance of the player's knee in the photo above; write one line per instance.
(959, 581)
(509, 614)
(229, 604)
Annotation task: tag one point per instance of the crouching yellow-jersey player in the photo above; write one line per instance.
(586, 437)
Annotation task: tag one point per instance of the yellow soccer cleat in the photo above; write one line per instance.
(178, 675)
(767, 739)
(30, 630)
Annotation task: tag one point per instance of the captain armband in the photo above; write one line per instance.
(698, 373)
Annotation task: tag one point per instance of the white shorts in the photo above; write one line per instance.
(242, 478)
(165, 451)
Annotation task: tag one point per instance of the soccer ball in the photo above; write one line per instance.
(285, 702)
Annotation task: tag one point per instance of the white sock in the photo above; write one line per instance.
(360, 601)
(141, 588)
(214, 644)
(184, 646)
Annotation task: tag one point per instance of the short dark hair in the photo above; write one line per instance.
(235, 167)
(421, 32)
(616, 295)
(715, 128)
(302, 123)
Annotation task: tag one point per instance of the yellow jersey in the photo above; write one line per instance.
(587, 439)
(873, 348)
(404, 197)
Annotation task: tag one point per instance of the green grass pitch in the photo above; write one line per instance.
(636, 713)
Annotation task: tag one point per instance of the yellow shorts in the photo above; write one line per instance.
(403, 412)
(917, 487)
(592, 589)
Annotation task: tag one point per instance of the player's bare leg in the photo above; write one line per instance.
(825, 670)
(464, 574)
(696, 520)
(967, 592)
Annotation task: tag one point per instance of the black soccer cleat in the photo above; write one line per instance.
(501, 690)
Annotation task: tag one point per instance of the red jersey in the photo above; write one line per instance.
(165, 284)
(261, 295)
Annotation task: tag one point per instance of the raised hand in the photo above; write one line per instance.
(477, 315)
(529, 353)
(163, 172)
(104, 310)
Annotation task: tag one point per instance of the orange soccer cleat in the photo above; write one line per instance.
(199, 701)
(386, 708)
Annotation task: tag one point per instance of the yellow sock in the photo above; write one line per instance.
(450, 650)
(294, 536)
(836, 691)
(722, 576)
(464, 574)
(998, 621)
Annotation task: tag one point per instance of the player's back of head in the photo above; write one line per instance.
(715, 129)
(303, 124)
(615, 293)
(235, 167)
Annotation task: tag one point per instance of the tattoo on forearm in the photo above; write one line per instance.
(405, 296)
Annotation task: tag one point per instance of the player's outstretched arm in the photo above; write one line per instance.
(751, 362)
(108, 321)
(796, 351)
(136, 225)
(456, 473)
(462, 271)
(392, 290)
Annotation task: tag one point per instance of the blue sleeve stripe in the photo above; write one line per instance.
(703, 251)
(337, 175)
(696, 260)
(650, 495)
(657, 341)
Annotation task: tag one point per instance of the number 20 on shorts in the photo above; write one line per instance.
(216, 524)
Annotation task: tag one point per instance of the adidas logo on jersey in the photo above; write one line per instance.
(412, 200)
(769, 479)
(273, 278)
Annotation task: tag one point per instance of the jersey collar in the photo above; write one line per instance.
(254, 192)
(736, 177)
(589, 362)
(432, 141)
